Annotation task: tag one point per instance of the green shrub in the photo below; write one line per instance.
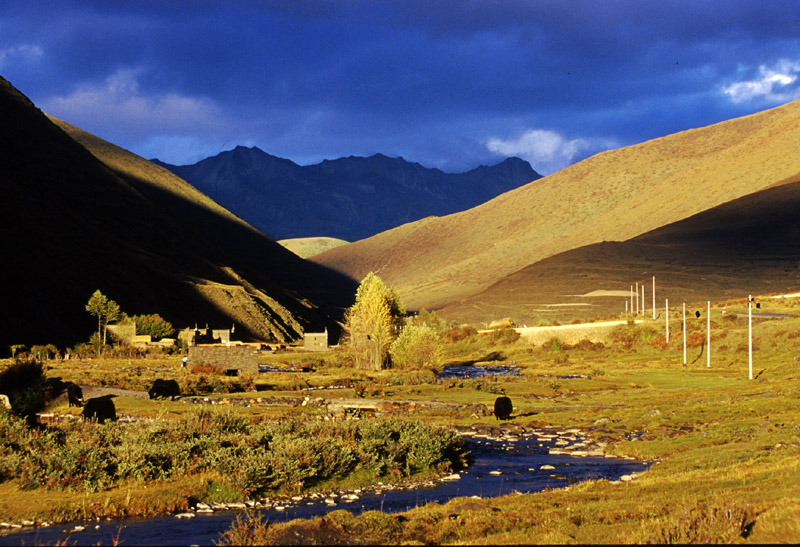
(459, 333)
(630, 334)
(417, 347)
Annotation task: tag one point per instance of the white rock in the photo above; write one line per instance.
(203, 506)
(237, 505)
(330, 501)
(79, 528)
(546, 466)
(495, 472)
(185, 515)
(626, 478)
(452, 477)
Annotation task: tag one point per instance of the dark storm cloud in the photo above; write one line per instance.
(449, 84)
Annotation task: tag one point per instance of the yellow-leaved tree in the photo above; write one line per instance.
(373, 322)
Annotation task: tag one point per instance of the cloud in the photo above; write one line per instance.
(548, 151)
(119, 106)
(775, 84)
(22, 52)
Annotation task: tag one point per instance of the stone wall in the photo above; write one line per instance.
(243, 359)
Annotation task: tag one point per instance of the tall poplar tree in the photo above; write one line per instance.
(373, 322)
(105, 310)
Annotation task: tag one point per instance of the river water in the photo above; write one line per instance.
(499, 468)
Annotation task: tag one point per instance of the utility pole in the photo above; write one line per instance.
(708, 336)
(631, 298)
(637, 298)
(654, 298)
(684, 334)
(666, 312)
(750, 333)
(643, 301)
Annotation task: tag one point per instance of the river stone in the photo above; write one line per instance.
(452, 477)
(495, 472)
(185, 516)
(546, 467)
(237, 505)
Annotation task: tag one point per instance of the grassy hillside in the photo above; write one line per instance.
(613, 196)
(748, 245)
(72, 224)
(306, 247)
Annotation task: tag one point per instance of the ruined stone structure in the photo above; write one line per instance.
(195, 336)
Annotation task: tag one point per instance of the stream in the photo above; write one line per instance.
(500, 467)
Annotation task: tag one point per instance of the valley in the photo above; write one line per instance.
(328, 388)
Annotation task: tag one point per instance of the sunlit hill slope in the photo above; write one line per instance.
(613, 196)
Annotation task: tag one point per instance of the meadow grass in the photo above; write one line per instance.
(725, 447)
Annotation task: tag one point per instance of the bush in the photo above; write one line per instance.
(154, 325)
(503, 336)
(25, 385)
(417, 347)
(630, 334)
(459, 333)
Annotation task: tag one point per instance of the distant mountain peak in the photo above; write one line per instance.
(348, 198)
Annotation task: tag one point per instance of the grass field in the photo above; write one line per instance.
(726, 448)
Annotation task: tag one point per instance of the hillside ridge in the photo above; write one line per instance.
(78, 217)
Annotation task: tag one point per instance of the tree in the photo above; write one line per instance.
(154, 325)
(105, 310)
(373, 322)
(418, 346)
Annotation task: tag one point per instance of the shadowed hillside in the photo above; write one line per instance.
(747, 246)
(613, 196)
(72, 224)
(347, 198)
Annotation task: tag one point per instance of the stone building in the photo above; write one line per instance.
(316, 341)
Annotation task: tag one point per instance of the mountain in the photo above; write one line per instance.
(614, 196)
(348, 198)
(750, 245)
(80, 214)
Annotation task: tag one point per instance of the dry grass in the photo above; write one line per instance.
(306, 247)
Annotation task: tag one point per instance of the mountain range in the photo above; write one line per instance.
(80, 214)
(709, 211)
(348, 198)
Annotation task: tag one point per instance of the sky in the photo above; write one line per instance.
(451, 84)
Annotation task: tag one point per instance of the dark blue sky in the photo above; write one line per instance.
(449, 84)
